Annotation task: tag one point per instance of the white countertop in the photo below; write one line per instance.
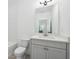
(51, 38)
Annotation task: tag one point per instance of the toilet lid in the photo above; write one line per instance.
(20, 50)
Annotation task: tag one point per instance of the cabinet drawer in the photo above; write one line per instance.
(48, 43)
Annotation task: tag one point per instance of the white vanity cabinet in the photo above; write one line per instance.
(54, 53)
(38, 52)
(46, 49)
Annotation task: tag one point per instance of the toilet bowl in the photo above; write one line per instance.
(19, 52)
(21, 49)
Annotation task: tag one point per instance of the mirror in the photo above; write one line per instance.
(45, 26)
(46, 16)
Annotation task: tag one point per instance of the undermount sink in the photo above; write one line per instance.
(50, 37)
(41, 36)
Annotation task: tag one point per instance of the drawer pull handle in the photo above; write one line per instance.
(46, 49)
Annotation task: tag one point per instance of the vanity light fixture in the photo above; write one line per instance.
(45, 2)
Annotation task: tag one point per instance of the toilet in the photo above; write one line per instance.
(21, 49)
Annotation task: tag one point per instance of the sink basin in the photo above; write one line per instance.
(50, 38)
(41, 36)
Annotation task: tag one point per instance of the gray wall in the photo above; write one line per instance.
(64, 17)
(22, 18)
(26, 19)
(12, 20)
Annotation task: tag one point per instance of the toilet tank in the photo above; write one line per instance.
(23, 43)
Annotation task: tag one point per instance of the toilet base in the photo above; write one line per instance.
(20, 57)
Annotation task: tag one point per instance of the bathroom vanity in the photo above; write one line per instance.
(48, 47)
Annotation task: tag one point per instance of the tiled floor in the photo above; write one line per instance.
(13, 57)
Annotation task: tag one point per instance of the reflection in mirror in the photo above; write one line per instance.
(47, 17)
(45, 26)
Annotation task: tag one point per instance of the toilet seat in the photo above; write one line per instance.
(19, 51)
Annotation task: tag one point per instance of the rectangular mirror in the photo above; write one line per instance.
(49, 14)
(45, 26)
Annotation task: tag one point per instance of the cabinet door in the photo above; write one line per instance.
(38, 52)
(54, 53)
